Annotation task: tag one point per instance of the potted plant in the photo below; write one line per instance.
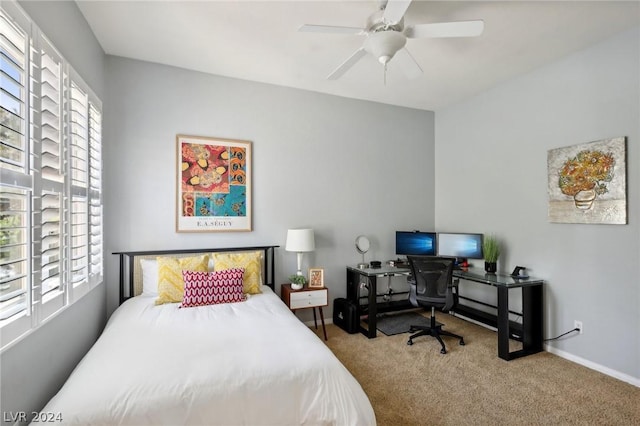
(491, 249)
(297, 281)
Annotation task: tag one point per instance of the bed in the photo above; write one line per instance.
(251, 363)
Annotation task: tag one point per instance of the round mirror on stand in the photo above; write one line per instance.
(362, 245)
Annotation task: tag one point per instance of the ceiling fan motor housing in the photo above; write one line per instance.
(376, 22)
(384, 44)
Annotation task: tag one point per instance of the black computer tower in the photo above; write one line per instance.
(345, 315)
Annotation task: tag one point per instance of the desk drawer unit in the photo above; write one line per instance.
(308, 299)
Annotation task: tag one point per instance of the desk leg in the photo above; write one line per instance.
(353, 287)
(324, 329)
(532, 322)
(503, 323)
(373, 308)
(532, 319)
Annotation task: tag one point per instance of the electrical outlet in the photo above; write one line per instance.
(578, 324)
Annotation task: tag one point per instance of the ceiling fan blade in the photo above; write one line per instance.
(395, 10)
(446, 29)
(346, 65)
(329, 29)
(409, 66)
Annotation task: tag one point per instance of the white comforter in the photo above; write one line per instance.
(251, 363)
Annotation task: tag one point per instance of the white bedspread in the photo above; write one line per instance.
(251, 363)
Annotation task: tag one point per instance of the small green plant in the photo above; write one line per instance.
(297, 279)
(491, 249)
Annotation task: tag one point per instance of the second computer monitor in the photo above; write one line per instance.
(459, 245)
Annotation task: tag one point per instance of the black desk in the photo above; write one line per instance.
(532, 316)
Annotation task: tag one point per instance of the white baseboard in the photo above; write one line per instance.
(594, 366)
(562, 354)
(481, 324)
(312, 324)
(573, 358)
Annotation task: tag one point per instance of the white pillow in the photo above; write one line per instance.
(149, 277)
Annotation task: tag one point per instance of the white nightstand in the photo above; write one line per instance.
(306, 298)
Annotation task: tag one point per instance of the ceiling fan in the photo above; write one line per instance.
(387, 36)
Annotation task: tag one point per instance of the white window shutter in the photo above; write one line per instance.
(96, 254)
(15, 181)
(79, 168)
(51, 249)
(49, 207)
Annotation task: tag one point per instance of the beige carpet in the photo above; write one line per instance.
(416, 385)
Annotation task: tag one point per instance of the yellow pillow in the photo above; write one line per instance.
(170, 282)
(250, 261)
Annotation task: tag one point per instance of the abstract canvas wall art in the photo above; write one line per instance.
(587, 182)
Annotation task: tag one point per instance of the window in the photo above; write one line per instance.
(51, 187)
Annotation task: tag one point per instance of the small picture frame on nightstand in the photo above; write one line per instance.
(316, 278)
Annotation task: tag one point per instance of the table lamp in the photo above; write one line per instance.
(300, 241)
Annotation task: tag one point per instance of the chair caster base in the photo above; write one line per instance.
(462, 342)
(443, 351)
(410, 342)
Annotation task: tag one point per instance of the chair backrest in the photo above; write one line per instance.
(433, 279)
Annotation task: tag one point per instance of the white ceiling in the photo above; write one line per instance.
(259, 41)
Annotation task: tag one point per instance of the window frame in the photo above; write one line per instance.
(45, 173)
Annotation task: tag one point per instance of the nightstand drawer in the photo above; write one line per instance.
(308, 299)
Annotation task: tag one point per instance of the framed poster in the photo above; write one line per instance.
(587, 182)
(213, 184)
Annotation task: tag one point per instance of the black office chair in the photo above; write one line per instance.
(432, 287)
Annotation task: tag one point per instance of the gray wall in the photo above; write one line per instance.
(348, 167)
(341, 166)
(491, 177)
(34, 368)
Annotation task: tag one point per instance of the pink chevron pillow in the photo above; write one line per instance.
(210, 288)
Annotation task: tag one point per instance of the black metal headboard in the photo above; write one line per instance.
(126, 281)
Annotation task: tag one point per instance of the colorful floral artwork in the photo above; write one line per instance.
(587, 183)
(213, 184)
(589, 170)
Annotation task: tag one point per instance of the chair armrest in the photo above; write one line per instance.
(451, 298)
(413, 292)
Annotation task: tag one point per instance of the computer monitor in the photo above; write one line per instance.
(461, 246)
(415, 243)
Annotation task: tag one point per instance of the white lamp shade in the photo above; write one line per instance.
(300, 240)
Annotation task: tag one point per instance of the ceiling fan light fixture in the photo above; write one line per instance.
(387, 36)
(384, 59)
(384, 44)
